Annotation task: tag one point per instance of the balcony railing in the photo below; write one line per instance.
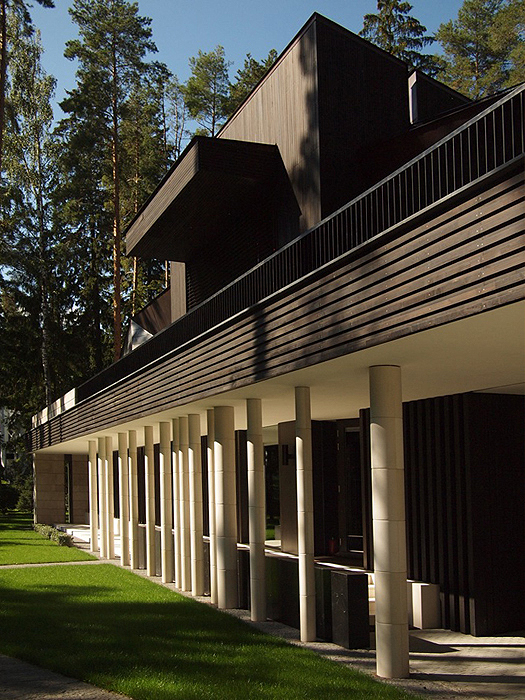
(492, 139)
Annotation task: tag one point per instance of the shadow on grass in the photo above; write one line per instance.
(16, 520)
(105, 625)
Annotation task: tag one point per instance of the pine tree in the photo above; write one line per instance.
(81, 212)
(147, 154)
(395, 30)
(476, 52)
(247, 78)
(507, 37)
(177, 115)
(207, 90)
(113, 42)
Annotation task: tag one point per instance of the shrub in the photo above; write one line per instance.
(61, 538)
(8, 497)
(25, 489)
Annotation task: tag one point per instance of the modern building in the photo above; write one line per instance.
(339, 358)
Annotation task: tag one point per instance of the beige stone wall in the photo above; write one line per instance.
(80, 492)
(49, 488)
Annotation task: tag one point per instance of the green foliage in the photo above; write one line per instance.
(8, 497)
(247, 78)
(484, 46)
(61, 538)
(113, 42)
(207, 89)
(395, 30)
(33, 302)
(25, 493)
(110, 627)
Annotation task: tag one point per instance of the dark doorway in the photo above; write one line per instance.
(349, 473)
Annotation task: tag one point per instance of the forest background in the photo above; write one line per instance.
(72, 181)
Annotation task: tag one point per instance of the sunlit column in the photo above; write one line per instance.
(149, 468)
(166, 506)
(195, 474)
(176, 500)
(211, 505)
(256, 509)
(110, 500)
(102, 496)
(305, 513)
(184, 487)
(123, 488)
(226, 511)
(133, 499)
(93, 496)
(388, 513)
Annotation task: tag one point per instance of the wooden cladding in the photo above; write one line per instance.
(464, 257)
(465, 496)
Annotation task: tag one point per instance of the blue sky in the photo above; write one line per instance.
(182, 27)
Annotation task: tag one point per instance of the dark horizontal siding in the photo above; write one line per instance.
(466, 259)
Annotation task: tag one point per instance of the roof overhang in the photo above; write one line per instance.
(213, 180)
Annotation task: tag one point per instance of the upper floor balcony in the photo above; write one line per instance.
(409, 239)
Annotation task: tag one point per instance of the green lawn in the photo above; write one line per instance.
(19, 544)
(107, 626)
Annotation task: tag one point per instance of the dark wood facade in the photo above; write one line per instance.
(465, 494)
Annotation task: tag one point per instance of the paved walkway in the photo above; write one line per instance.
(21, 681)
(444, 665)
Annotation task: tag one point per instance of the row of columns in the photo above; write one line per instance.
(181, 509)
(181, 503)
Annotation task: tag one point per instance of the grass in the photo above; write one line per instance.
(19, 544)
(114, 629)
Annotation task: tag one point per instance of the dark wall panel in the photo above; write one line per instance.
(465, 500)
(358, 86)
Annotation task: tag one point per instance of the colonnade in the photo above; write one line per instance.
(181, 503)
(181, 509)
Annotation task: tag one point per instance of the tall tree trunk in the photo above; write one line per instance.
(44, 272)
(3, 72)
(135, 283)
(45, 312)
(117, 321)
(94, 304)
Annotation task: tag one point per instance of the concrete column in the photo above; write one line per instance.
(211, 505)
(256, 510)
(101, 463)
(93, 495)
(388, 514)
(166, 505)
(184, 505)
(195, 473)
(176, 500)
(305, 513)
(123, 493)
(226, 512)
(133, 500)
(149, 464)
(110, 495)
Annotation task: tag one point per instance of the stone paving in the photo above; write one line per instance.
(444, 665)
(21, 681)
